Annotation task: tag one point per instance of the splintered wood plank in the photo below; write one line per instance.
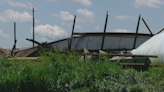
(24, 58)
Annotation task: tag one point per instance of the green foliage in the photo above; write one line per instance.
(61, 72)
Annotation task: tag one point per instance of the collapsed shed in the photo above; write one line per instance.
(93, 42)
(106, 41)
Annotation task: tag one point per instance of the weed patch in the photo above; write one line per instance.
(58, 72)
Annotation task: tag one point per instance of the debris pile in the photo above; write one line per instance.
(3, 51)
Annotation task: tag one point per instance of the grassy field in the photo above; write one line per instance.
(64, 72)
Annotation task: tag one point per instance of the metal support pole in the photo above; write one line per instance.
(136, 32)
(15, 33)
(72, 32)
(33, 25)
(104, 31)
(147, 27)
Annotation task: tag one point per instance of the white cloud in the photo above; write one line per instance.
(148, 3)
(87, 16)
(121, 30)
(65, 16)
(78, 27)
(14, 16)
(124, 17)
(23, 4)
(43, 39)
(67, 23)
(51, 0)
(3, 35)
(97, 27)
(50, 32)
(17, 46)
(84, 2)
(84, 16)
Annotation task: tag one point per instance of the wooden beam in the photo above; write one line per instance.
(33, 41)
(24, 58)
(147, 27)
(160, 30)
(72, 32)
(136, 32)
(111, 33)
(132, 63)
(126, 55)
(102, 45)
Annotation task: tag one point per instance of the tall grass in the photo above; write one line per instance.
(64, 72)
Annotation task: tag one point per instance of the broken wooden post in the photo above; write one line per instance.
(72, 32)
(136, 32)
(147, 26)
(104, 31)
(13, 48)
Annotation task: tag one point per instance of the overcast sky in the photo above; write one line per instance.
(54, 18)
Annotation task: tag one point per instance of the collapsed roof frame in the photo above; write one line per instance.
(136, 34)
(104, 33)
